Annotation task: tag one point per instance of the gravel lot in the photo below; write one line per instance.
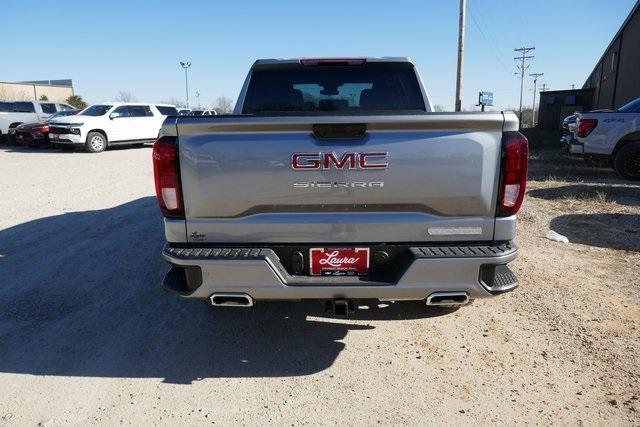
(88, 336)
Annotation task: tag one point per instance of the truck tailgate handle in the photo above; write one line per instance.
(340, 131)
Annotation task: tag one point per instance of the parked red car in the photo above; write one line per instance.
(38, 133)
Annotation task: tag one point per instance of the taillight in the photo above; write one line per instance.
(515, 152)
(585, 126)
(44, 129)
(167, 176)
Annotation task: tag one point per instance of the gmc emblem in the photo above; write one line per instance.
(348, 160)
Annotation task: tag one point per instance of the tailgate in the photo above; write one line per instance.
(272, 180)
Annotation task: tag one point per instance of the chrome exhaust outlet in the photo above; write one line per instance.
(448, 298)
(231, 300)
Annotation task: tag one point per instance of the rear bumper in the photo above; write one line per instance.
(479, 270)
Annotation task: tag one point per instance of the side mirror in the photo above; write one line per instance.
(114, 115)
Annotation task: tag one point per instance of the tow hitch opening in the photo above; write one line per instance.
(340, 307)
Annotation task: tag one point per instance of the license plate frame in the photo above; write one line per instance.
(349, 261)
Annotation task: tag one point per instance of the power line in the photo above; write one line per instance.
(489, 44)
(522, 67)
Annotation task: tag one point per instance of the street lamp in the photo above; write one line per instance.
(186, 65)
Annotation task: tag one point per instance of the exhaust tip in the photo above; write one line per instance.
(231, 300)
(448, 298)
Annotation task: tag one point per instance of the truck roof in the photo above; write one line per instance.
(364, 58)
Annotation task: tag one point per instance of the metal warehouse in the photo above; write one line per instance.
(615, 76)
(613, 82)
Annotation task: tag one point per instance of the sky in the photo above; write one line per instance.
(136, 46)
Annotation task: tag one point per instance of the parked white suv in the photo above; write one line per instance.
(102, 125)
(13, 114)
(199, 112)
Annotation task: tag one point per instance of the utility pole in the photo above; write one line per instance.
(186, 65)
(523, 51)
(544, 87)
(198, 98)
(533, 109)
(463, 6)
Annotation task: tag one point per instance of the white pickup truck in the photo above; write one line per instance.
(613, 136)
(13, 114)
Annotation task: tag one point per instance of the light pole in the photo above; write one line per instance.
(186, 65)
(198, 98)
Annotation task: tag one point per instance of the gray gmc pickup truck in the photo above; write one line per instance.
(334, 180)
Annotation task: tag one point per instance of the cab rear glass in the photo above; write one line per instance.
(298, 89)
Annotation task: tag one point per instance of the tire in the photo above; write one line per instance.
(627, 161)
(96, 142)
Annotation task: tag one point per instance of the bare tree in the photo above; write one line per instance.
(224, 105)
(175, 101)
(438, 108)
(125, 96)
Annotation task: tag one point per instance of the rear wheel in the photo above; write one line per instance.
(96, 142)
(627, 161)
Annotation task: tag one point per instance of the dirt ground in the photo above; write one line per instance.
(87, 335)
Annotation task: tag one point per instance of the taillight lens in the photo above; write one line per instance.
(585, 126)
(44, 129)
(515, 153)
(167, 176)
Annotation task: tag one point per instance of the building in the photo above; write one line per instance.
(54, 90)
(615, 76)
(613, 82)
(555, 105)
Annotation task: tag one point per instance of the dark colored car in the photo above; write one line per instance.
(38, 133)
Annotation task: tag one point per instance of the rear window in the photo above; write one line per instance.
(17, 107)
(370, 87)
(167, 111)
